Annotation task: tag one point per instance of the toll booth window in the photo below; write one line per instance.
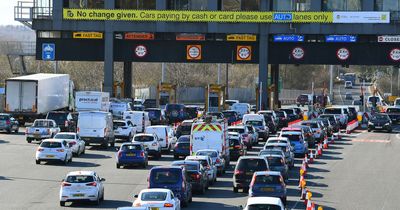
(344, 5)
(213, 101)
(290, 5)
(237, 5)
(164, 100)
(95, 4)
(187, 4)
(135, 4)
(49, 34)
(387, 5)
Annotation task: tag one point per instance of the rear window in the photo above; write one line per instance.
(153, 196)
(263, 207)
(4, 117)
(64, 136)
(389, 110)
(238, 130)
(144, 138)
(275, 161)
(282, 148)
(333, 111)
(228, 114)
(252, 165)
(171, 107)
(60, 118)
(303, 97)
(41, 123)
(154, 114)
(79, 179)
(184, 139)
(50, 144)
(184, 129)
(188, 167)
(288, 111)
(311, 125)
(207, 153)
(119, 124)
(280, 114)
(131, 147)
(166, 176)
(254, 123)
(266, 179)
(270, 152)
(292, 137)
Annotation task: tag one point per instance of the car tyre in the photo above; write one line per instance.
(203, 190)
(112, 144)
(118, 165)
(16, 130)
(65, 160)
(8, 131)
(389, 130)
(84, 150)
(246, 190)
(62, 203)
(70, 160)
(144, 165)
(97, 202)
(235, 189)
(29, 140)
(176, 157)
(102, 196)
(37, 162)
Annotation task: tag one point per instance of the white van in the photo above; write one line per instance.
(96, 127)
(138, 118)
(165, 134)
(117, 108)
(241, 108)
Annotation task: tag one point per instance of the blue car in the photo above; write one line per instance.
(132, 154)
(182, 147)
(173, 178)
(268, 184)
(300, 147)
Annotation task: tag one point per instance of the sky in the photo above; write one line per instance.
(7, 12)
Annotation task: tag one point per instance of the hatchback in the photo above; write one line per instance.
(196, 172)
(132, 154)
(53, 150)
(268, 184)
(244, 170)
(182, 147)
(160, 199)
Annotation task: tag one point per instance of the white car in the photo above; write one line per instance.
(82, 186)
(53, 150)
(215, 157)
(273, 140)
(74, 142)
(124, 129)
(207, 163)
(160, 199)
(264, 203)
(150, 143)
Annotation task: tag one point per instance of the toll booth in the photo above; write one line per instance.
(166, 94)
(214, 98)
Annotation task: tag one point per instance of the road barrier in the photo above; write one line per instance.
(351, 126)
(295, 122)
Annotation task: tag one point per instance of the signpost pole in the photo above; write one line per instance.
(162, 72)
(363, 93)
(219, 74)
(331, 81)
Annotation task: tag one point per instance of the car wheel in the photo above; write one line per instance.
(65, 160)
(97, 202)
(102, 196)
(235, 189)
(112, 144)
(37, 162)
(8, 131)
(118, 165)
(369, 130)
(16, 130)
(389, 130)
(191, 197)
(176, 157)
(203, 190)
(70, 160)
(83, 151)
(29, 140)
(246, 190)
(184, 203)
(62, 203)
(159, 155)
(144, 165)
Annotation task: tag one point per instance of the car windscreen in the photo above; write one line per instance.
(238, 130)
(131, 147)
(380, 117)
(50, 144)
(389, 110)
(188, 167)
(154, 114)
(143, 138)
(333, 111)
(254, 123)
(153, 196)
(60, 118)
(263, 207)
(79, 179)
(41, 123)
(310, 124)
(251, 165)
(266, 179)
(270, 152)
(292, 137)
(228, 114)
(275, 161)
(165, 176)
(64, 136)
(207, 153)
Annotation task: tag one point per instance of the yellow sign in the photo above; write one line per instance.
(87, 35)
(198, 16)
(241, 37)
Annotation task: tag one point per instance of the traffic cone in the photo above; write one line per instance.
(303, 165)
(312, 206)
(319, 149)
(301, 178)
(308, 198)
(311, 156)
(303, 194)
(306, 160)
(325, 143)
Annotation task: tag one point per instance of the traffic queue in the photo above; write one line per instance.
(203, 148)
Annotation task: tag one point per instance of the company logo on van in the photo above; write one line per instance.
(88, 100)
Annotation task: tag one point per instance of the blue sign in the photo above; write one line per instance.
(283, 16)
(2, 91)
(288, 38)
(340, 38)
(48, 51)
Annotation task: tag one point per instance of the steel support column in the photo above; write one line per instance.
(128, 79)
(275, 76)
(263, 71)
(109, 53)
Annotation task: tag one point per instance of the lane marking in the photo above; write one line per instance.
(371, 141)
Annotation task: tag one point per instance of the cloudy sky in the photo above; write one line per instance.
(7, 12)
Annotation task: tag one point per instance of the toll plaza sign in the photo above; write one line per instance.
(225, 16)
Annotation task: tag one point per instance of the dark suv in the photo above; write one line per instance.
(197, 174)
(156, 116)
(380, 122)
(244, 170)
(64, 120)
(175, 113)
(174, 178)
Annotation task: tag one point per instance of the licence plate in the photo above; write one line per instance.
(131, 154)
(230, 147)
(267, 189)
(21, 118)
(78, 195)
(50, 156)
(378, 126)
(249, 173)
(154, 208)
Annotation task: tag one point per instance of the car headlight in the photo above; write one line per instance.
(387, 124)
(370, 123)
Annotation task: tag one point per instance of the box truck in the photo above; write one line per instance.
(33, 96)
(92, 101)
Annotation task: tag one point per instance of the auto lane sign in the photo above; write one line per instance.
(392, 39)
(243, 53)
(193, 52)
(140, 51)
(48, 51)
(298, 53)
(395, 54)
(343, 54)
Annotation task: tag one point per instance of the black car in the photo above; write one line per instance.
(182, 147)
(333, 120)
(283, 119)
(64, 120)
(197, 174)
(184, 128)
(191, 112)
(175, 113)
(156, 116)
(394, 114)
(380, 122)
(236, 148)
(352, 113)
(231, 116)
(244, 170)
(271, 124)
(218, 115)
(291, 114)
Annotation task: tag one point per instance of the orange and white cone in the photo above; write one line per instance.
(325, 143)
(306, 160)
(301, 181)
(312, 206)
(319, 149)
(311, 156)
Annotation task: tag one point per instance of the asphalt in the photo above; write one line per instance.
(357, 172)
